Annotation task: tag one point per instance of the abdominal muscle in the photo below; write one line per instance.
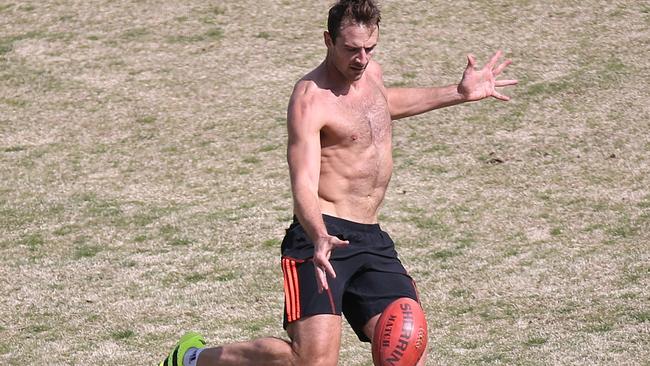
(353, 181)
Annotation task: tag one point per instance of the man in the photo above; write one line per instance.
(335, 257)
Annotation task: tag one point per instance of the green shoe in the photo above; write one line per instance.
(189, 340)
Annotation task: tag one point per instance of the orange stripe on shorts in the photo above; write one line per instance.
(291, 289)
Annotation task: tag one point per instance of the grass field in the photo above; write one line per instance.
(144, 189)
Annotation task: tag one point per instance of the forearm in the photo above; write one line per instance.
(306, 207)
(406, 102)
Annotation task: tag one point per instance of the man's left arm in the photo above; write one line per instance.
(474, 85)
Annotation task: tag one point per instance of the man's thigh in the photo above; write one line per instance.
(371, 291)
(316, 340)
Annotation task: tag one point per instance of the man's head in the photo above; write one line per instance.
(352, 34)
(348, 12)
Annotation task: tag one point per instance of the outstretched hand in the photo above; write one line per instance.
(323, 248)
(480, 84)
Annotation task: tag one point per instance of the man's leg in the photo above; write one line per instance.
(315, 341)
(369, 330)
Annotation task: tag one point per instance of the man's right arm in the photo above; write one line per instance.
(303, 156)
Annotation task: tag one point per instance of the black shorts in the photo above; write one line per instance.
(369, 275)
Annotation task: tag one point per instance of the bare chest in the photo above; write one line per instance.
(362, 121)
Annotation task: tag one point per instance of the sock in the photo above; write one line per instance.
(191, 356)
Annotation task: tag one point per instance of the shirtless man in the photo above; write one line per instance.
(335, 257)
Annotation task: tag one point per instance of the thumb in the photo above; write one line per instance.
(338, 243)
(471, 61)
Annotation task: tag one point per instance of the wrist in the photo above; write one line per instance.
(460, 96)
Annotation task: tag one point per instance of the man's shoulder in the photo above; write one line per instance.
(307, 101)
(305, 87)
(375, 72)
(309, 90)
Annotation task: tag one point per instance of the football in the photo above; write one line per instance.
(400, 336)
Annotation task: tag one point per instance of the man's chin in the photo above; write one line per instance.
(356, 75)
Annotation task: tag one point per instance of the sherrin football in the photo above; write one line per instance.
(400, 334)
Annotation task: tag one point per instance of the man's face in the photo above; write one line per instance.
(353, 49)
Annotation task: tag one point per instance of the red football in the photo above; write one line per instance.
(400, 334)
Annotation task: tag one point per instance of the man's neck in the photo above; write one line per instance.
(336, 79)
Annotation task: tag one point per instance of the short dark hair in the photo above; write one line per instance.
(361, 12)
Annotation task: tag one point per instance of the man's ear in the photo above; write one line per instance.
(328, 39)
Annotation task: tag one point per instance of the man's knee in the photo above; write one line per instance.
(315, 357)
(316, 340)
(276, 351)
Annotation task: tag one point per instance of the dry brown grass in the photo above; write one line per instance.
(144, 186)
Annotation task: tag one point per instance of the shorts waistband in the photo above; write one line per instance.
(347, 224)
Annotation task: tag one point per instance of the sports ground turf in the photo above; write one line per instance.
(144, 188)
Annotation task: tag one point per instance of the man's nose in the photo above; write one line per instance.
(362, 56)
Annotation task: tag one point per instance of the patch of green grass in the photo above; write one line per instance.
(104, 208)
(445, 254)
(15, 218)
(169, 230)
(460, 293)
(227, 276)
(135, 33)
(33, 241)
(467, 240)
(195, 277)
(641, 317)
(438, 149)
(497, 310)
(623, 231)
(26, 8)
(146, 120)
(177, 242)
(409, 75)
(600, 327)
(270, 147)
(66, 18)
(7, 42)
(512, 252)
(535, 341)
(397, 84)
(461, 310)
(549, 88)
(257, 325)
(123, 334)
(252, 160)
(17, 148)
(14, 102)
(272, 243)
(38, 328)
(217, 10)
(263, 35)
(213, 34)
(645, 202)
(129, 264)
(429, 223)
(497, 358)
(140, 238)
(86, 251)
